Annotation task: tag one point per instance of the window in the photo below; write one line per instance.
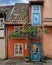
(35, 7)
(37, 32)
(18, 49)
(36, 15)
(1, 22)
(1, 33)
(17, 28)
(35, 49)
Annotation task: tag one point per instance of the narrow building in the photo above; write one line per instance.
(38, 14)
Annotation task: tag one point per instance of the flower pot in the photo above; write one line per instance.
(27, 59)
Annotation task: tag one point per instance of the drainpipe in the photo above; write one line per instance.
(6, 42)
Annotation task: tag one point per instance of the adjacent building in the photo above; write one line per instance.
(4, 11)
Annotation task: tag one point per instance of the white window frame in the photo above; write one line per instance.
(18, 49)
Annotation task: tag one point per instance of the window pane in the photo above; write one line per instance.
(36, 19)
(16, 49)
(20, 49)
(1, 23)
(36, 7)
(35, 49)
(1, 33)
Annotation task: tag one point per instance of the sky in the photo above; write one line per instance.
(11, 2)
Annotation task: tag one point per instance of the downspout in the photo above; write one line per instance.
(6, 41)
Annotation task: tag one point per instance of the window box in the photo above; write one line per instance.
(34, 37)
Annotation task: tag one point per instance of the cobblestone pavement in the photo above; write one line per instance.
(17, 62)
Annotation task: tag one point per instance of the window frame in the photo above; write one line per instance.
(39, 12)
(18, 49)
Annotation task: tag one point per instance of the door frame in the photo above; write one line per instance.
(40, 52)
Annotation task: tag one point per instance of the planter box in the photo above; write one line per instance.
(34, 37)
(27, 60)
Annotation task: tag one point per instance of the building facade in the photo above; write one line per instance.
(2, 39)
(2, 30)
(38, 13)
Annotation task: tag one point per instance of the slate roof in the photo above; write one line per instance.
(6, 9)
(20, 12)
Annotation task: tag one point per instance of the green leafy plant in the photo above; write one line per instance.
(17, 34)
(28, 30)
(27, 58)
(44, 59)
(45, 30)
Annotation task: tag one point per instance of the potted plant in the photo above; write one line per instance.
(31, 31)
(44, 59)
(27, 58)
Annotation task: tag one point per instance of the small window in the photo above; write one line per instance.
(1, 33)
(37, 33)
(36, 7)
(16, 28)
(1, 23)
(35, 49)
